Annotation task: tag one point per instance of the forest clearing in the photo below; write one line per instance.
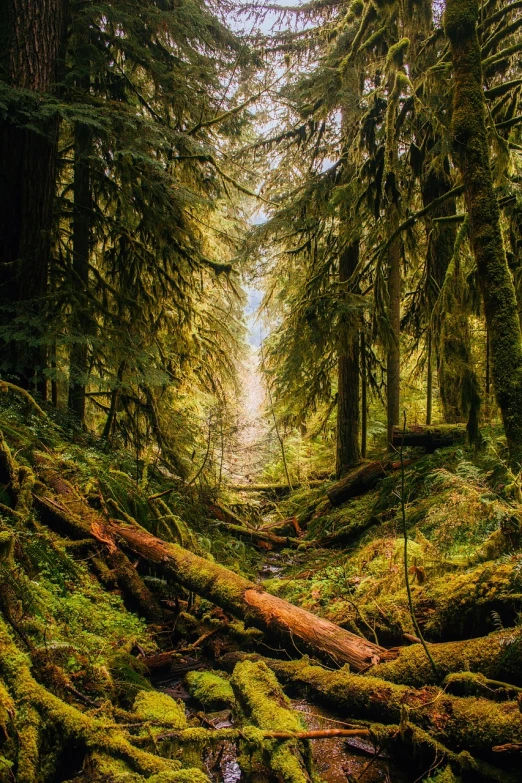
(260, 391)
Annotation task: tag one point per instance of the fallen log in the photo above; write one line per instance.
(233, 593)
(264, 703)
(276, 489)
(459, 723)
(497, 657)
(250, 602)
(429, 438)
(361, 480)
(264, 536)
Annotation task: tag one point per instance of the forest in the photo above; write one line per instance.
(261, 391)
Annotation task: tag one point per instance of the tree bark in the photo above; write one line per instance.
(360, 481)
(393, 362)
(471, 150)
(80, 267)
(30, 43)
(348, 414)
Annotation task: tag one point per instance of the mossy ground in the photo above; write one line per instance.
(64, 611)
(464, 525)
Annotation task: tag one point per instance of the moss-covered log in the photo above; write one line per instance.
(429, 438)
(36, 710)
(360, 481)
(461, 724)
(264, 703)
(251, 602)
(71, 515)
(471, 151)
(497, 656)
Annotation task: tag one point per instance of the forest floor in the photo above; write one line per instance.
(111, 669)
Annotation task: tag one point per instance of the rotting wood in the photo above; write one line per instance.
(361, 480)
(430, 438)
(248, 601)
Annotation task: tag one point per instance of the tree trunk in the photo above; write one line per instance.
(393, 363)
(30, 43)
(364, 398)
(429, 383)
(471, 150)
(80, 269)
(348, 415)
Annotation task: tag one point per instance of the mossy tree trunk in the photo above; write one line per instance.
(452, 337)
(348, 395)
(471, 150)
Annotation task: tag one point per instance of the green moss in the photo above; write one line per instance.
(210, 688)
(474, 724)
(155, 706)
(264, 702)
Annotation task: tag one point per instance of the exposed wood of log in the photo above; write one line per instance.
(430, 438)
(360, 481)
(250, 602)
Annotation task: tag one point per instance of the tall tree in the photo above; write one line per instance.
(31, 39)
(471, 150)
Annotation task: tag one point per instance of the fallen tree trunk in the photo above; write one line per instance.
(429, 438)
(233, 593)
(276, 489)
(264, 703)
(251, 602)
(360, 481)
(497, 656)
(459, 723)
(264, 536)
